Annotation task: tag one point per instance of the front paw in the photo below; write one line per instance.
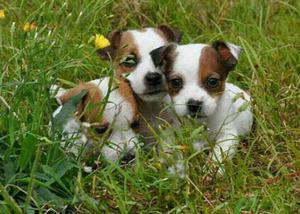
(110, 153)
(213, 170)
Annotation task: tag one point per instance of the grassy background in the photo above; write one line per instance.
(36, 175)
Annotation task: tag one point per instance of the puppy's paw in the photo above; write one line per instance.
(213, 171)
(110, 154)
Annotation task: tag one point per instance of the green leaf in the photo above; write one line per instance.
(90, 202)
(28, 149)
(239, 206)
(67, 110)
(9, 200)
(44, 196)
(51, 171)
(60, 170)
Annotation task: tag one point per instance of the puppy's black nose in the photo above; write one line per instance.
(153, 78)
(194, 106)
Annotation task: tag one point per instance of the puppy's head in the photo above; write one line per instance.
(196, 74)
(131, 49)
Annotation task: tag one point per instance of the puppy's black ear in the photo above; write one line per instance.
(162, 54)
(228, 53)
(171, 34)
(110, 52)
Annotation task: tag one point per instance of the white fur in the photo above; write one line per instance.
(117, 112)
(117, 109)
(56, 91)
(234, 49)
(151, 106)
(222, 114)
(146, 41)
(187, 68)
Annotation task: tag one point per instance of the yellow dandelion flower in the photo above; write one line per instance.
(2, 14)
(101, 42)
(26, 27)
(29, 26)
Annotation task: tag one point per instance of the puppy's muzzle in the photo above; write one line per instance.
(153, 79)
(194, 107)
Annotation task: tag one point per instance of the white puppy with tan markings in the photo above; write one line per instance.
(109, 109)
(130, 52)
(196, 76)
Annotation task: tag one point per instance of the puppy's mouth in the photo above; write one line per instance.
(154, 92)
(195, 116)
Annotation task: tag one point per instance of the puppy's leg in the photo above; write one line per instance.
(121, 142)
(172, 156)
(115, 146)
(225, 147)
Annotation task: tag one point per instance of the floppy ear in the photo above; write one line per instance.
(90, 102)
(111, 51)
(228, 53)
(162, 54)
(171, 34)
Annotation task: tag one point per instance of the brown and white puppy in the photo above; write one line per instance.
(130, 51)
(108, 108)
(196, 76)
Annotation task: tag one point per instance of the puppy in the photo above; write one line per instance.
(196, 75)
(130, 51)
(105, 108)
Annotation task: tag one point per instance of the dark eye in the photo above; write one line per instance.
(176, 83)
(102, 129)
(129, 61)
(213, 82)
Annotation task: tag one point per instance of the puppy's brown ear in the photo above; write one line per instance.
(228, 54)
(171, 34)
(90, 102)
(163, 54)
(110, 52)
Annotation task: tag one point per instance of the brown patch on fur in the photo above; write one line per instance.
(126, 92)
(89, 108)
(173, 91)
(161, 34)
(169, 34)
(169, 59)
(111, 51)
(210, 66)
(127, 46)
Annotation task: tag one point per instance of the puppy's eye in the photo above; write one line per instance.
(213, 82)
(129, 61)
(176, 83)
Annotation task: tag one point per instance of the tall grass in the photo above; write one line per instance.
(36, 175)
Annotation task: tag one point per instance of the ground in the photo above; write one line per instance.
(56, 46)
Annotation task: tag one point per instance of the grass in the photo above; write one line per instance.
(36, 176)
